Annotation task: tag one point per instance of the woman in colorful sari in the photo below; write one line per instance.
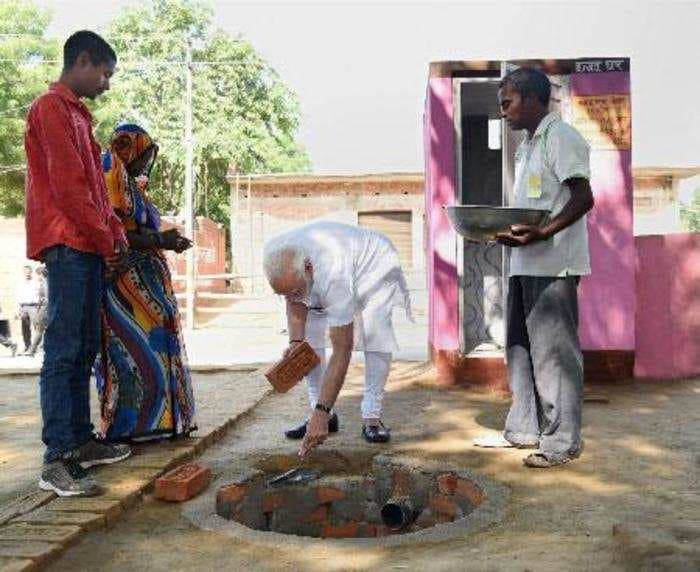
(143, 380)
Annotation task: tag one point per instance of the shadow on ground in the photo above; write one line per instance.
(640, 466)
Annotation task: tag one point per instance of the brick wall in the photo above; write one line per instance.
(277, 204)
(210, 238)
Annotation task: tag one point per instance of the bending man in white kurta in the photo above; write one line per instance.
(345, 280)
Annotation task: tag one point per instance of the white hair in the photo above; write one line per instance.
(284, 254)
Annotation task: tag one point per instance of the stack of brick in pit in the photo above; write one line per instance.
(439, 497)
(347, 506)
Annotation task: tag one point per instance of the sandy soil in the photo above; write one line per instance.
(640, 466)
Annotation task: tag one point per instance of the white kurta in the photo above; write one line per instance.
(357, 277)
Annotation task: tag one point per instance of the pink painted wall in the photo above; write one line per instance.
(607, 296)
(441, 251)
(668, 306)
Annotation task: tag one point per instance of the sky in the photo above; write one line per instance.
(360, 69)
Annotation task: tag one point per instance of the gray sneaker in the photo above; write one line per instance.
(96, 452)
(66, 478)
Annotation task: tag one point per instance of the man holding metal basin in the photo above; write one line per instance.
(545, 364)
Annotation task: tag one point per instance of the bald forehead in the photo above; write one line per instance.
(286, 278)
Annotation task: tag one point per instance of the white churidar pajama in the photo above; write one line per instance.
(357, 277)
(377, 366)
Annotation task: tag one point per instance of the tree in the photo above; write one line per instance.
(690, 214)
(243, 112)
(28, 62)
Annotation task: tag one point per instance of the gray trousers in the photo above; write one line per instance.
(27, 313)
(545, 364)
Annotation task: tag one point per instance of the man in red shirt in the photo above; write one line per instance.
(72, 229)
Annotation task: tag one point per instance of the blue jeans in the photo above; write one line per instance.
(71, 341)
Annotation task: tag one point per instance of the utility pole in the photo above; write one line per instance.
(189, 194)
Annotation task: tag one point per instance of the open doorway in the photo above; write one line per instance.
(480, 181)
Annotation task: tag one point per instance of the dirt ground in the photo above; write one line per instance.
(638, 475)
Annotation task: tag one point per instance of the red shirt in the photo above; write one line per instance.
(66, 197)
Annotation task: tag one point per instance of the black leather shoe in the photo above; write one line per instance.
(376, 433)
(300, 431)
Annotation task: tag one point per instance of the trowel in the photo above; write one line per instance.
(297, 475)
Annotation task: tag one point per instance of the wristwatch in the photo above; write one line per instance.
(324, 408)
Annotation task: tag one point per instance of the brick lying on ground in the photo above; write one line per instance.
(183, 483)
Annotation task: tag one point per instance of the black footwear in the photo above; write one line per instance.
(376, 433)
(96, 452)
(300, 431)
(66, 478)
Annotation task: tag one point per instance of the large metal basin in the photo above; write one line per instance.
(481, 223)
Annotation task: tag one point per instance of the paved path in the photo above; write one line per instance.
(36, 526)
(218, 396)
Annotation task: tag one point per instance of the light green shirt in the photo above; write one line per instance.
(555, 153)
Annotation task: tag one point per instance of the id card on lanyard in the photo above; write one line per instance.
(534, 186)
(531, 181)
(534, 180)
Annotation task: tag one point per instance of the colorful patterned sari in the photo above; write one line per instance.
(143, 380)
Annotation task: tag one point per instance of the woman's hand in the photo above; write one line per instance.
(168, 238)
(182, 244)
(173, 240)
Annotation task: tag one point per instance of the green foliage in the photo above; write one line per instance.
(690, 214)
(243, 113)
(25, 71)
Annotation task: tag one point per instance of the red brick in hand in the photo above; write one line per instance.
(291, 369)
(182, 483)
